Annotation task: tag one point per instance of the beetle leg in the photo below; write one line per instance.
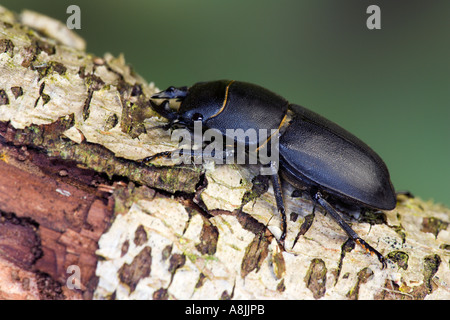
(352, 234)
(171, 153)
(191, 153)
(164, 109)
(280, 203)
(165, 154)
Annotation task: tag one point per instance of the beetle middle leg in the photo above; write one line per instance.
(276, 183)
(348, 230)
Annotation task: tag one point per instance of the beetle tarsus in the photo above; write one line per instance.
(372, 251)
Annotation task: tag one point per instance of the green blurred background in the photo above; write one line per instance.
(390, 87)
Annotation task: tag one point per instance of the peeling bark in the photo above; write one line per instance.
(73, 192)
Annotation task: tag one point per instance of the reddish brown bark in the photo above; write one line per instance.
(51, 217)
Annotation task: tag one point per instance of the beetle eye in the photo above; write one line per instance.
(197, 117)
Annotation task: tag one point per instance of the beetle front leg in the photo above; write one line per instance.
(190, 153)
(164, 109)
(163, 155)
(348, 230)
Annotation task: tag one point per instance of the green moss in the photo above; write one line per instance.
(192, 257)
(45, 98)
(363, 276)
(316, 278)
(210, 258)
(433, 225)
(373, 217)
(431, 265)
(111, 122)
(400, 231)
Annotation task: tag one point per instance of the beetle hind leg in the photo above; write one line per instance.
(348, 230)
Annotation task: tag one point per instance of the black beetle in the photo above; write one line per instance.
(315, 154)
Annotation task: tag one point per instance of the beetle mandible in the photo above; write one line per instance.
(315, 154)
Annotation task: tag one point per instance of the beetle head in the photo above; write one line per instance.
(164, 108)
(171, 93)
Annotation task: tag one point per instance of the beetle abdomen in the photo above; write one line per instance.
(335, 160)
